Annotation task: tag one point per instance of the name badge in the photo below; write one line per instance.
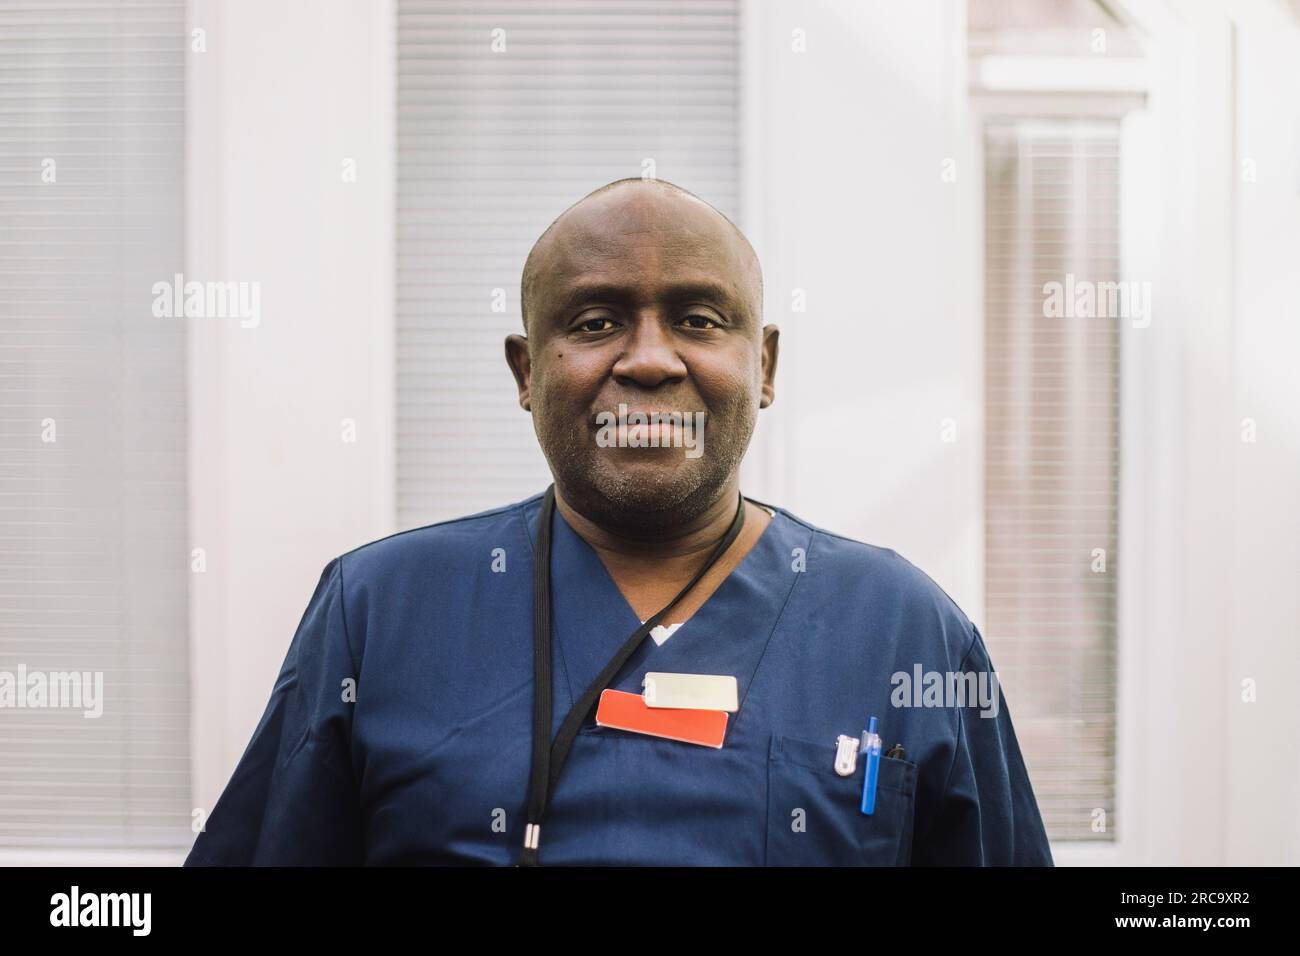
(690, 691)
(623, 711)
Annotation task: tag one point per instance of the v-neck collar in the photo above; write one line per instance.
(609, 584)
(727, 634)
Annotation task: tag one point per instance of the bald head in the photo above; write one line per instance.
(638, 206)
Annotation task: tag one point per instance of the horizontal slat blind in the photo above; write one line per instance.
(1052, 460)
(93, 553)
(491, 147)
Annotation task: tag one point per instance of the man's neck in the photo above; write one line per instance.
(651, 570)
(697, 536)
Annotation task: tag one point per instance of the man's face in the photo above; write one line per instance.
(645, 297)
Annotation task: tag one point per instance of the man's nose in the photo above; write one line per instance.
(650, 356)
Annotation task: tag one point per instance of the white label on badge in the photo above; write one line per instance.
(691, 691)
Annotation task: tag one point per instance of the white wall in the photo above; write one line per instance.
(1176, 397)
(1209, 554)
(843, 198)
(283, 94)
(1263, 768)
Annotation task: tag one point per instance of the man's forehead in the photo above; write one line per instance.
(646, 219)
(678, 239)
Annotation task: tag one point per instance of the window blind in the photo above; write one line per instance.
(93, 547)
(1052, 459)
(492, 146)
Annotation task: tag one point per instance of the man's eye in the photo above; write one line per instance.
(587, 325)
(697, 318)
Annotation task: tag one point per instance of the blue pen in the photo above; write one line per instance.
(870, 747)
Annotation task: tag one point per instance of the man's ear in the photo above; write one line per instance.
(521, 364)
(771, 339)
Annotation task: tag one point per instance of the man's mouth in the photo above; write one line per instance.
(640, 427)
(635, 416)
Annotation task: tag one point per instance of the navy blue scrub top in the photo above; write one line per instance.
(430, 764)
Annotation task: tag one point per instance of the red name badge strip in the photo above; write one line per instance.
(623, 711)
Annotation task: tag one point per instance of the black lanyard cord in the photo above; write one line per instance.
(548, 761)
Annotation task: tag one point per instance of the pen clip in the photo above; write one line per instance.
(846, 755)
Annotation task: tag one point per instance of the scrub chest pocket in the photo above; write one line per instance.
(814, 815)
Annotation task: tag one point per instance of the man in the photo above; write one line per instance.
(644, 367)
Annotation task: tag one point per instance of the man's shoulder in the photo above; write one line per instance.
(843, 549)
(856, 556)
(426, 547)
(881, 576)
